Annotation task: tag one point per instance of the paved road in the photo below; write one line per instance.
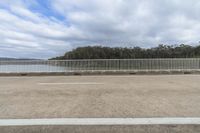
(103, 129)
(100, 96)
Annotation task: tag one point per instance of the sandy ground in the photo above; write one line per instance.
(100, 96)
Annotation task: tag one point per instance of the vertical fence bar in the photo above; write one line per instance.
(99, 64)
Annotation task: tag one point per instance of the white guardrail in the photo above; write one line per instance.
(17, 66)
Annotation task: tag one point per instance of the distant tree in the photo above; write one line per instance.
(161, 51)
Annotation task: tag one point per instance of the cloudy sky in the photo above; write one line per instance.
(48, 28)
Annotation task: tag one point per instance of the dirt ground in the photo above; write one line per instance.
(100, 96)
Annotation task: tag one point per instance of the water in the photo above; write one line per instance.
(31, 68)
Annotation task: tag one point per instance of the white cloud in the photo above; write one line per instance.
(23, 31)
(143, 23)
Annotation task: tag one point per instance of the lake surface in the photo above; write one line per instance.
(32, 68)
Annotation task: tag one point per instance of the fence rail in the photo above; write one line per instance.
(17, 66)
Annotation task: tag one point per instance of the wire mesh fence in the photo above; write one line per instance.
(17, 66)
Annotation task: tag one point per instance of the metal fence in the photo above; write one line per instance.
(17, 66)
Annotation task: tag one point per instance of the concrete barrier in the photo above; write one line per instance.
(78, 73)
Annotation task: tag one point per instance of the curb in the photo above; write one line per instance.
(79, 73)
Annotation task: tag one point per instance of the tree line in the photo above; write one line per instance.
(161, 51)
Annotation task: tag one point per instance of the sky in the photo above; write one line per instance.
(49, 28)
